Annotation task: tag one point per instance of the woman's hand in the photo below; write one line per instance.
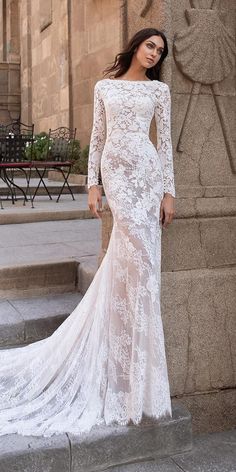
(167, 210)
(95, 200)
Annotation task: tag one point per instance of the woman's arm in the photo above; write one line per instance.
(97, 139)
(96, 146)
(164, 141)
(164, 148)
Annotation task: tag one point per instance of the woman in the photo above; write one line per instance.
(106, 362)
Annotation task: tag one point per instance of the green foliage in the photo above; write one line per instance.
(80, 165)
(78, 156)
(39, 147)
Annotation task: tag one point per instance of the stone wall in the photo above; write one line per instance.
(44, 50)
(64, 47)
(10, 94)
(95, 39)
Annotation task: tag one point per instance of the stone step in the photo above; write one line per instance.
(42, 258)
(23, 321)
(46, 210)
(214, 452)
(27, 215)
(105, 446)
(86, 271)
(38, 279)
(53, 186)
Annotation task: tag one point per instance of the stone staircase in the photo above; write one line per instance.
(104, 448)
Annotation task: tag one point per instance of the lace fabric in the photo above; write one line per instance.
(160, 108)
(106, 362)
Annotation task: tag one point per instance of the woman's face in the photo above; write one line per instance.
(149, 51)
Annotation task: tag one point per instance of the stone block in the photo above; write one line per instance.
(162, 465)
(198, 243)
(86, 272)
(43, 316)
(28, 453)
(211, 411)
(198, 312)
(11, 324)
(213, 453)
(182, 246)
(37, 278)
(204, 159)
(113, 445)
(219, 241)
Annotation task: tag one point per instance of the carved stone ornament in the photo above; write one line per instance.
(146, 8)
(205, 53)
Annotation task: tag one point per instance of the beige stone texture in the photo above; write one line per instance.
(96, 38)
(211, 411)
(10, 96)
(46, 58)
(191, 243)
(198, 310)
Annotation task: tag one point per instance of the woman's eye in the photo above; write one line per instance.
(149, 45)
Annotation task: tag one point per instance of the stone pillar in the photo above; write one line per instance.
(198, 296)
(9, 61)
(12, 31)
(2, 30)
(26, 62)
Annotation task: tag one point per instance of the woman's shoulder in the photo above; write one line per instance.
(100, 82)
(162, 89)
(162, 85)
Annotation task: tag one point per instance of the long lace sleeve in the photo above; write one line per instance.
(97, 139)
(164, 141)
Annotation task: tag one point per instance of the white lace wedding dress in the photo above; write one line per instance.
(106, 362)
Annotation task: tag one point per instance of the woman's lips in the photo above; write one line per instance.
(150, 60)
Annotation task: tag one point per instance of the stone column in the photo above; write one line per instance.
(26, 61)
(198, 296)
(12, 31)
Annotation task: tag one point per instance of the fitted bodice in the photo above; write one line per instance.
(137, 116)
(123, 111)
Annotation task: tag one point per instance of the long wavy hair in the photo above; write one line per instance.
(123, 59)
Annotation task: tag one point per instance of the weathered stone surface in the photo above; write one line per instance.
(28, 454)
(86, 271)
(198, 311)
(109, 445)
(211, 453)
(199, 243)
(163, 465)
(10, 91)
(27, 320)
(38, 278)
(11, 324)
(213, 410)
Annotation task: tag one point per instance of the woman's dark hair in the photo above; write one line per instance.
(123, 60)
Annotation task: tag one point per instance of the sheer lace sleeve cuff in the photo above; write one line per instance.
(164, 141)
(98, 136)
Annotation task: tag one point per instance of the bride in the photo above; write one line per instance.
(106, 362)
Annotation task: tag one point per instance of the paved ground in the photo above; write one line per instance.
(34, 181)
(43, 202)
(214, 452)
(46, 209)
(49, 241)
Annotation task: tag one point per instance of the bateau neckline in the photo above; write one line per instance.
(125, 80)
